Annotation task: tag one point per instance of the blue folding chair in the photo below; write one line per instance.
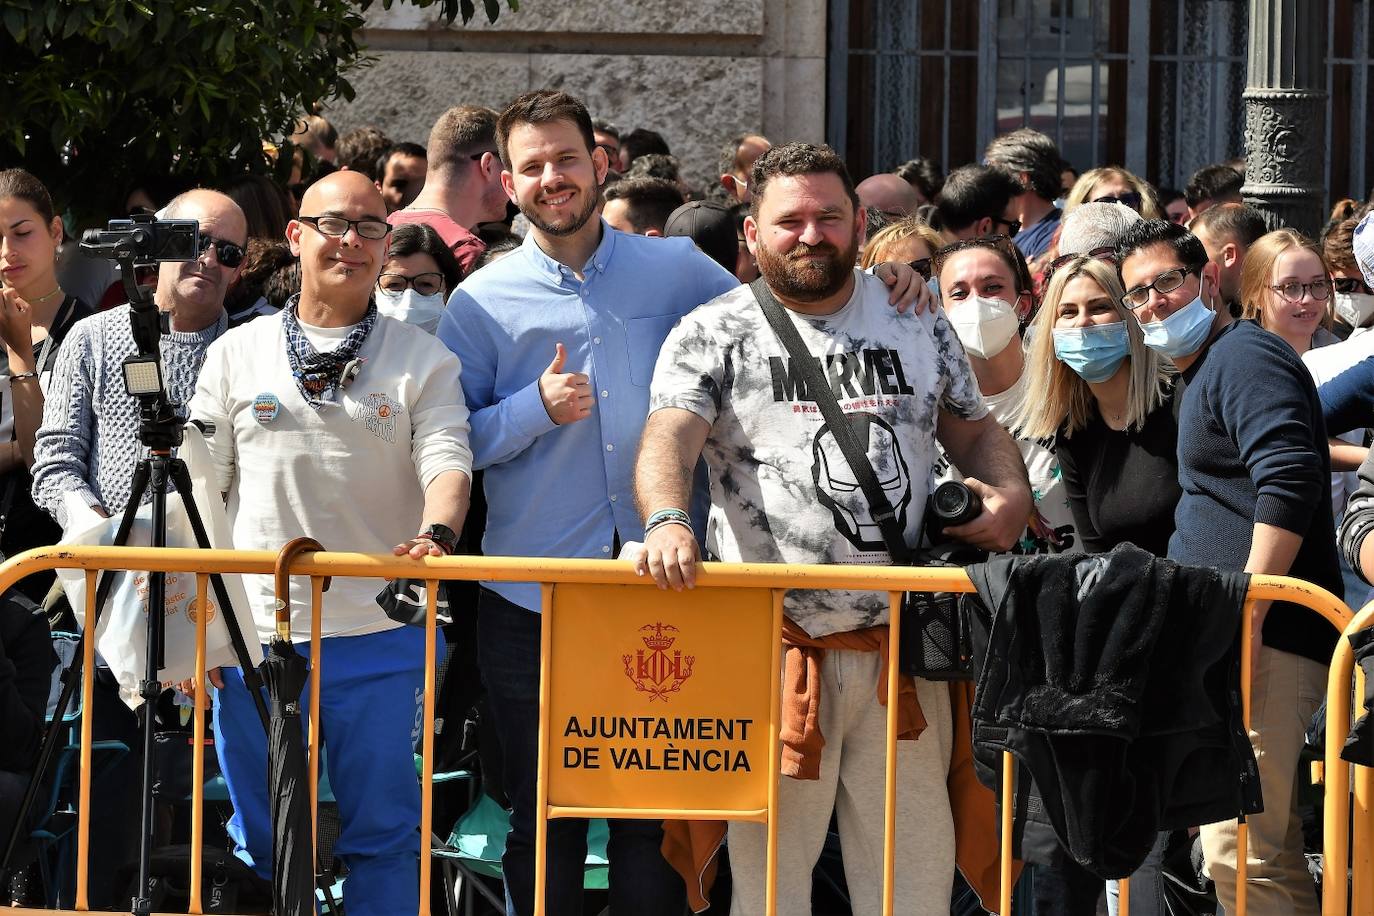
(54, 832)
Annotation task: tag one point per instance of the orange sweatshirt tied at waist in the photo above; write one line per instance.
(691, 846)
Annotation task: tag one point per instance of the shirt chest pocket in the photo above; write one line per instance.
(644, 337)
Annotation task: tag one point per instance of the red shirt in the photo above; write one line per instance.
(466, 247)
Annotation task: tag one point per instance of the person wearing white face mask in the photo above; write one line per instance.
(1254, 469)
(1352, 304)
(986, 290)
(419, 274)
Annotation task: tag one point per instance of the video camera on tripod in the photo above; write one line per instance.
(144, 241)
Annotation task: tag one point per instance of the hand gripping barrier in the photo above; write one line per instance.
(577, 588)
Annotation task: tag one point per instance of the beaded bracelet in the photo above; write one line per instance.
(664, 514)
(665, 523)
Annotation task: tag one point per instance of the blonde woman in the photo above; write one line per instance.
(1113, 183)
(1106, 399)
(908, 241)
(1285, 285)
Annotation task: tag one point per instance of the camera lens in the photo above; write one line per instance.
(954, 503)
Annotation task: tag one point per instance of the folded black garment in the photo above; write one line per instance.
(405, 601)
(1359, 747)
(1114, 679)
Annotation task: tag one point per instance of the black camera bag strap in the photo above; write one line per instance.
(855, 453)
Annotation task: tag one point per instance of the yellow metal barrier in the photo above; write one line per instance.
(550, 573)
(1342, 793)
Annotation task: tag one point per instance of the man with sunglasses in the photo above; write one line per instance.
(973, 201)
(308, 404)
(1255, 473)
(88, 440)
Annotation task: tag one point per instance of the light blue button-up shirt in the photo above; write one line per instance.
(567, 491)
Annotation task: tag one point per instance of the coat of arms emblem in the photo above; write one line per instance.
(658, 669)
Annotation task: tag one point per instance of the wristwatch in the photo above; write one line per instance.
(442, 535)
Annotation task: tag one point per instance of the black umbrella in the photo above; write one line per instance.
(286, 673)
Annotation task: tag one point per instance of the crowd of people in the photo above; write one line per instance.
(533, 337)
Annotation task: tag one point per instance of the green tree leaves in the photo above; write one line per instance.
(99, 94)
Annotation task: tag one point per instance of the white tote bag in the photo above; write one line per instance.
(121, 639)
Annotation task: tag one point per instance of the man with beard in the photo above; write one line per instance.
(725, 388)
(558, 342)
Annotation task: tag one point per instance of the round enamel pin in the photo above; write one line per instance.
(266, 406)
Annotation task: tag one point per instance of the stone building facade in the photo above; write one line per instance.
(1154, 85)
(697, 71)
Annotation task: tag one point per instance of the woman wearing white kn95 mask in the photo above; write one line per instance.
(419, 274)
(985, 289)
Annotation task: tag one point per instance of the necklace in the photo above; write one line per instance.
(41, 299)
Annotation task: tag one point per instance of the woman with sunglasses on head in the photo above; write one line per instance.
(35, 314)
(909, 241)
(1113, 184)
(419, 274)
(1105, 400)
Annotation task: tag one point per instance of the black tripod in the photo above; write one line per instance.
(161, 431)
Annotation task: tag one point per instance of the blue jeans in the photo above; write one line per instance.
(371, 705)
(1147, 884)
(641, 882)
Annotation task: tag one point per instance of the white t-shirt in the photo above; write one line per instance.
(781, 490)
(351, 475)
(1050, 529)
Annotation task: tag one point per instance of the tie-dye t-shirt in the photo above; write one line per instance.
(781, 491)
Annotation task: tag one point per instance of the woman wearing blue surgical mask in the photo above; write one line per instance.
(1106, 400)
(419, 274)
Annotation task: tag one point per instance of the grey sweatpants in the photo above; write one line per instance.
(851, 784)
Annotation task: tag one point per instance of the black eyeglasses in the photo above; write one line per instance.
(1130, 199)
(1293, 291)
(337, 226)
(1348, 285)
(228, 254)
(1013, 225)
(1163, 284)
(922, 266)
(1101, 253)
(426, 284)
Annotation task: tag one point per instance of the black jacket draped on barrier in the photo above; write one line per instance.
(1114, 679)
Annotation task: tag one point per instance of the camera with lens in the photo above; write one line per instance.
(141, 241)
(144, 240)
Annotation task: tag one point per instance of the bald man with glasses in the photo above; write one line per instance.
(307, 405)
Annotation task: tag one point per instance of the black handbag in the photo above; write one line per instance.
(934, 642)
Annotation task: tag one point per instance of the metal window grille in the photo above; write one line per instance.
(1154, 85)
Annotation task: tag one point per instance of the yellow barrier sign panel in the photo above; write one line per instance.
(662, 699)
